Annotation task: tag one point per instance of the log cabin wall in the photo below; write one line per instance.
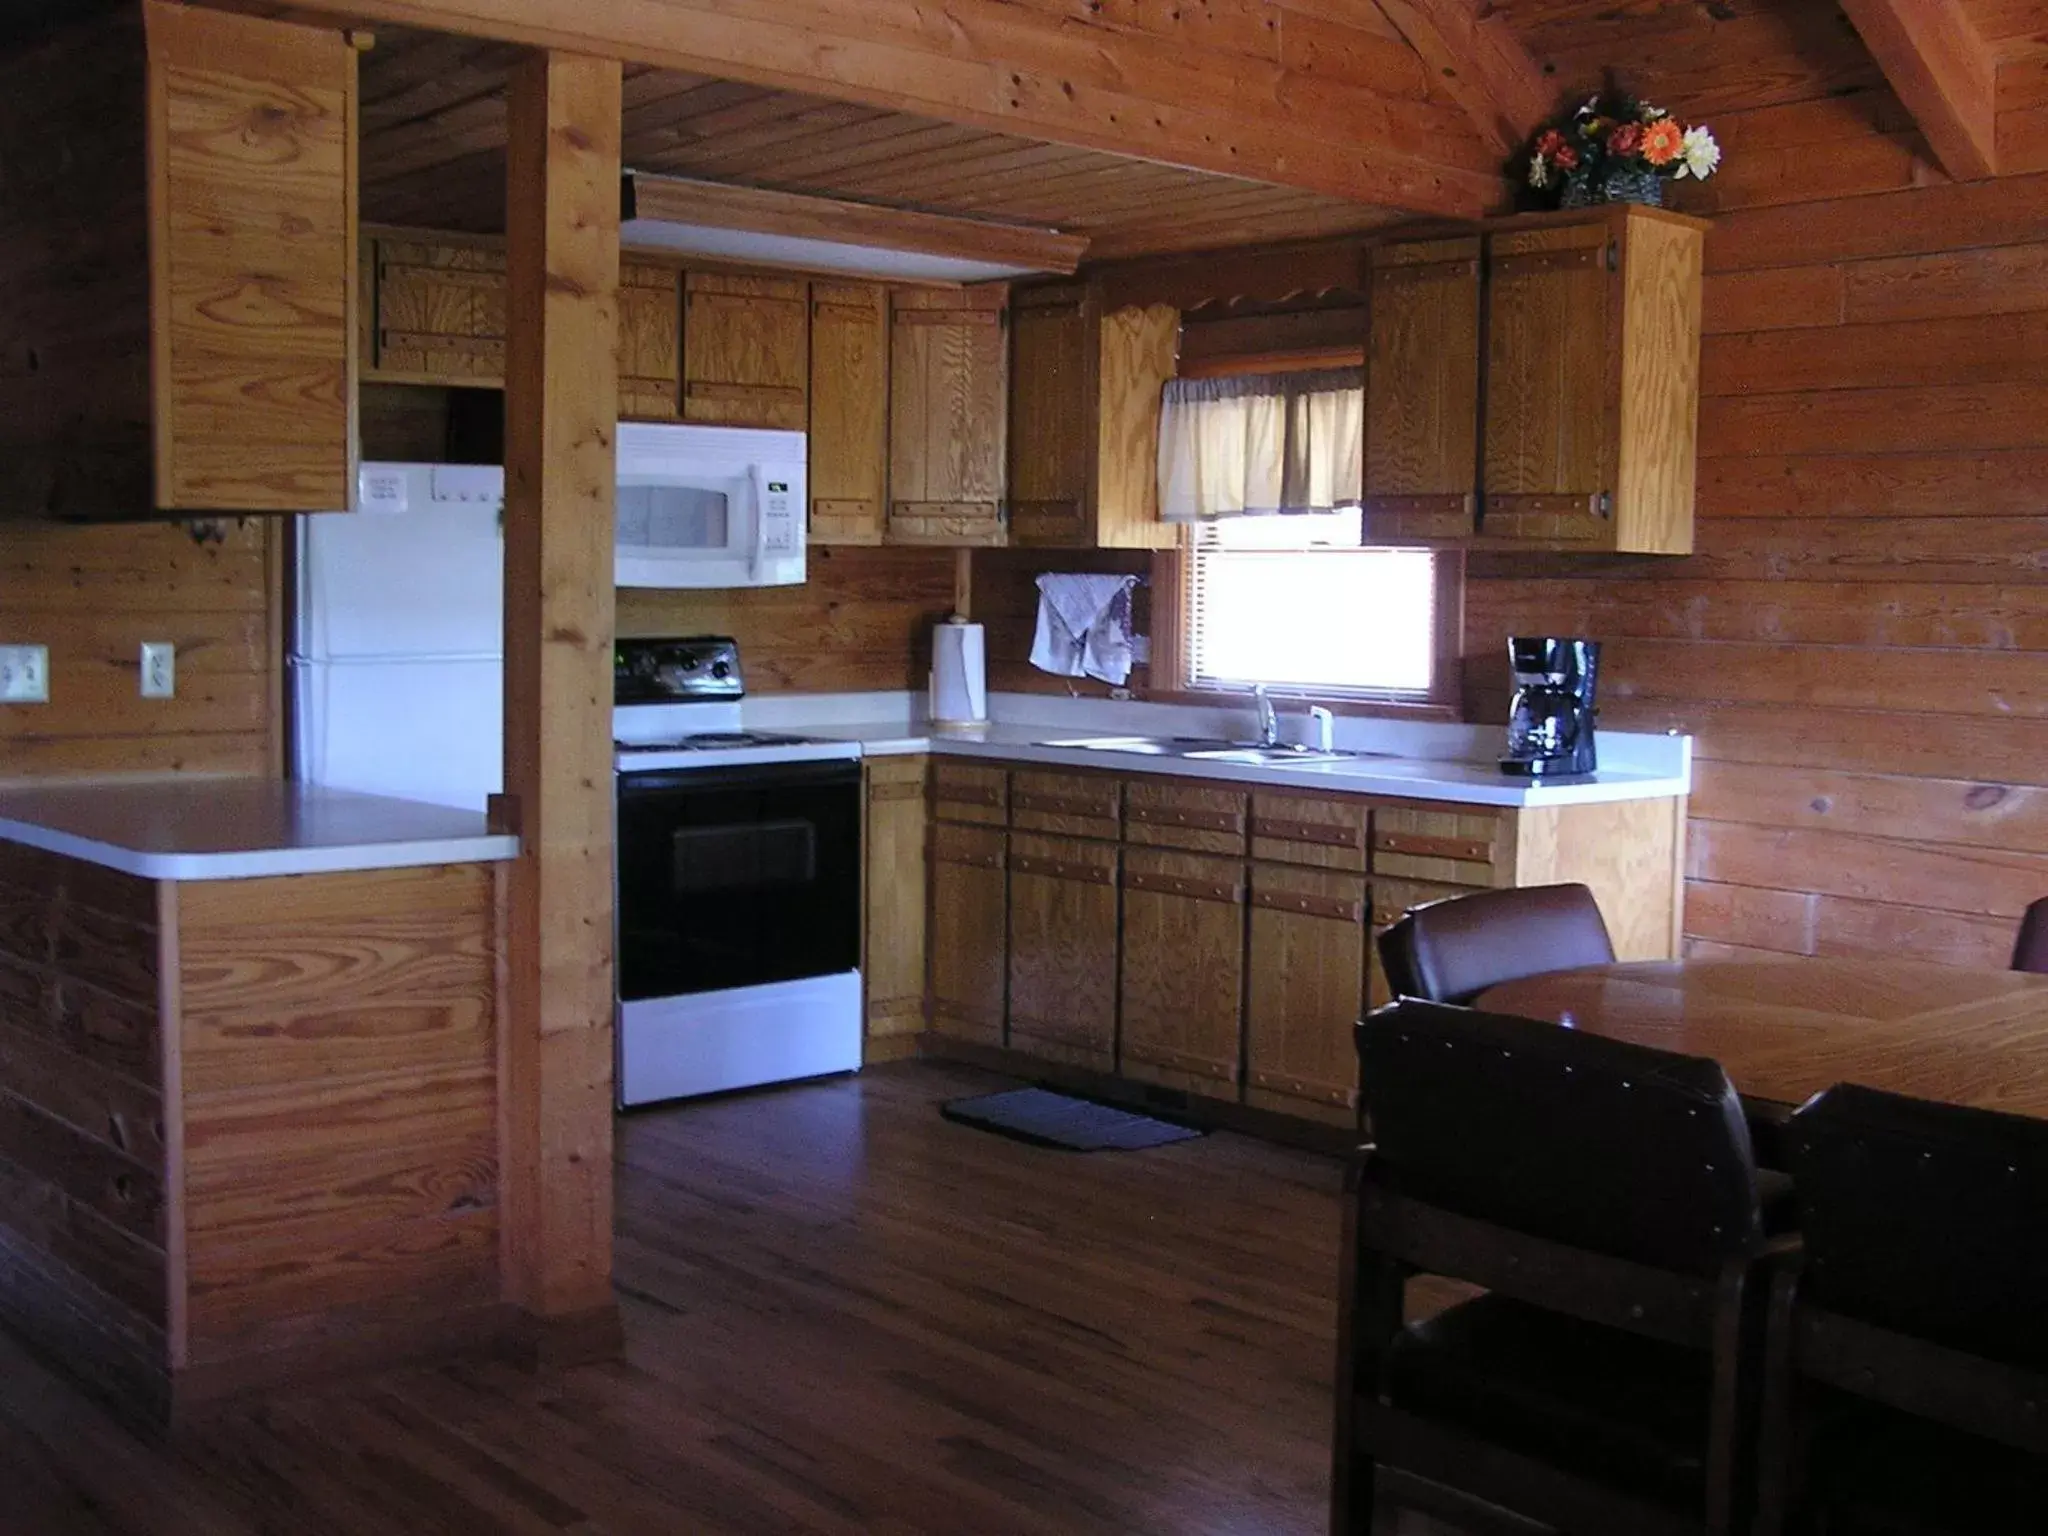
(1006, 603)
(93, 595)
(861, 621)
(1858, 641)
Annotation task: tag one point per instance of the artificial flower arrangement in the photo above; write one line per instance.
(1615, 148)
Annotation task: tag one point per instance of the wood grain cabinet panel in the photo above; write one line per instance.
(1071, 804)
(179, 216)
(1182, 981)
(1422, 393)
(746, 351)
(1307, 953)
(650, 341)
(1592, 382)
(969, 792)
(968, 933)
(439, 310)
(1325, 831)
(893, 971)
(1063, 949)
(1198, 818)
(849, 444)
(1084, 419)
(1457, 846)
(948, 415)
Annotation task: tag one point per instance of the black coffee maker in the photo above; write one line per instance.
(1550, 726)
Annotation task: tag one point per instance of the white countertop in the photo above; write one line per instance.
(230, 829)
(1423, 761)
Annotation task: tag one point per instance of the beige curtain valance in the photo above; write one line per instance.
(1260, 444)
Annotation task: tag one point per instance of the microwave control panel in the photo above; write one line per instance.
(778, 518)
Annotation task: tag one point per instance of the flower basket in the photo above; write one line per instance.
(1618, 149)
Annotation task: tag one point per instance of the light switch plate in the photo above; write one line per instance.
(159, 669)
(24, 674)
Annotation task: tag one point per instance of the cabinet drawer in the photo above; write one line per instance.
(1445, 846)
(1324, 831)
(1190, 816)
(961, 792)
(977, 847)
(1075, 804)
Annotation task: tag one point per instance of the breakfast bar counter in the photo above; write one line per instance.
(248, 1082)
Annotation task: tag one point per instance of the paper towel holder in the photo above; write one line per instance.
(958, 691)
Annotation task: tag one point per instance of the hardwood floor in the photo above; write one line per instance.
(843, 1314)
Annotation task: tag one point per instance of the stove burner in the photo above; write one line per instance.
(714, 741)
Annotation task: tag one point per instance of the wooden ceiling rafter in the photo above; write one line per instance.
(1473, 56)
(1943, 72)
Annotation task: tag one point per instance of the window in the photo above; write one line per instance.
(1295, 603)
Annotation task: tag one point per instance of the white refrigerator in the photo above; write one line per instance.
(396, 665)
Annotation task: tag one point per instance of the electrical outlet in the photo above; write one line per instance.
(24, 674)
(159, 669)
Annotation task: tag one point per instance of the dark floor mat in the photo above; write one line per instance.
(1049, 1119)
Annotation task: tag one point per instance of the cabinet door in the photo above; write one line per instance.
(1552, 403)
(746, 350)
(1052, 391)
(253, 231)
(1137, 352)
(894, 969)
(967, 932)
(1063, 946)
(440, 312)
(1183, 971)
(948, 416)
(1307, 991)
(849, 412)
(650, 341)
(1422, 392)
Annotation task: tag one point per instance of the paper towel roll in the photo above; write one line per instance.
(959, 675)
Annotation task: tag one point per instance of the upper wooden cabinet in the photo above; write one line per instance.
(1084, 419)
(849, 412)
(1422, 392)
(650, 341)
(746, 350)
(1592, 382)
(948, 415)
(178, 216)
(437, 309)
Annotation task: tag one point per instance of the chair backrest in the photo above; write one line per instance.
(1926, 1219)
(1451, 951)
(1614, 1148)
(2030, 948)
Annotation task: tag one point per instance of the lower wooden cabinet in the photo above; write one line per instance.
(1182, 991)
(968, 932)
(1063, 949)
(894, 948)
(1307, 953)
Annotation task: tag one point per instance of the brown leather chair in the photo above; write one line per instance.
(1605, 1197)
(1908, 1353)
(1451, 951)
(2030, 949)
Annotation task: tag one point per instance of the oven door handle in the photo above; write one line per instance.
(756, 477)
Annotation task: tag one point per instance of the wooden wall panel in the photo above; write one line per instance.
(862, 620)
(1859, 642)
(1006, 603)
(93, 594)
(341, 1125)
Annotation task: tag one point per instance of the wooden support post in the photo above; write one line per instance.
(561, 411)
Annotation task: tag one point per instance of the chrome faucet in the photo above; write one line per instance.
(1269, 722)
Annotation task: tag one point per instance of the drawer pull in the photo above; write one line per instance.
(1325, 833)
(1176, 885)
(1064, 805)
(1311, 906)
(1302, 1088)
(1180, 1061)
(1203, 821)
(969, 860)
(1478, 850)
(961, 794)
(1061, 869)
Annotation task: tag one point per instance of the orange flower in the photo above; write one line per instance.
(1663, 142)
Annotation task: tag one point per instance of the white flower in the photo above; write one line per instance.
(1539, 172)
(1700, 155)
(1647, 113)
(1592, 105)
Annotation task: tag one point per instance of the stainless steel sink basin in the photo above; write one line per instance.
(1208, 749)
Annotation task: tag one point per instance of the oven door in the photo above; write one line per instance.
(736, 877)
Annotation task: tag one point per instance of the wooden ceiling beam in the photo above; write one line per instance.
(1944, 74)
(678, 200)
(1481, 64)
(1037, 73)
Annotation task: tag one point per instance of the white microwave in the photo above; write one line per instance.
(710, 506)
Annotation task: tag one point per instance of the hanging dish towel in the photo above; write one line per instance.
(1084, 627)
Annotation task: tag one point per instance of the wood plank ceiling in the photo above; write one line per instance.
(433, 125)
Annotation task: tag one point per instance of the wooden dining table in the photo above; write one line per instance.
(1784, 1029)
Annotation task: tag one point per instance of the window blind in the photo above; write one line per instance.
(1294, 602)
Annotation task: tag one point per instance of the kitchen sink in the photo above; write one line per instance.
(1209, 749)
